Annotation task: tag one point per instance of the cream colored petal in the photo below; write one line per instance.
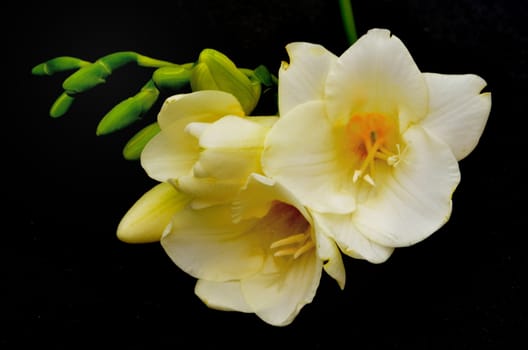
(377, 74)
(300, 152)
(145, 221)
(199, 106)
(341, 229)
(458, 111)
(206, 192)
(236, 132)
(224, 296)
(228, 163)
(303, 79)
(207, 245)
(278, 295)
(415, 200)
(329, 253)
(170, 154)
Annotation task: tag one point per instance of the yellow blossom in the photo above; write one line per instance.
(370, 144)
(260, 254)
(206, 146)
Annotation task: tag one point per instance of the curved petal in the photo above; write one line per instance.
(198, 106)
(236, 132)
(277, 296)
(146, 220)
(300, 153)
(458, 111)
(170, 154)
(341, 228)
(329, 253)
(207, 245)
(224, 296)
(415, 199)
(206, 192)
(303, 79)
(377, 74)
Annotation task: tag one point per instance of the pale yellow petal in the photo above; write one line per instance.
(377, 74)
(458, 111)
(415, 199)
(301, 153)
(224, 296)
(207, 245)
(329, 253)
(278, 295)
(303, 79)
(341, 229)
(198, 106)
(170, 154)
(236, 132)
(145, 221)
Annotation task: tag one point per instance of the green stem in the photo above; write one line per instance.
(348, 20)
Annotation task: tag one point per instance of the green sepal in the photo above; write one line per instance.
(134, 146)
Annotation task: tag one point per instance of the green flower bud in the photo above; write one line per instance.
(215, 71)
(128, 111)
(134, 146)
(96, 73)
(171, 78)
(86, 78)
(61, 105)
(58, 64)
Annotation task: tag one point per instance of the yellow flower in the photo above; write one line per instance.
(260, 254)
(206, 146)
(370, 144)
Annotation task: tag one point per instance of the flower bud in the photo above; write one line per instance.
(61, 105)
(215, 71)
(146, 220)
(171, 77)
(86, 78)
(134, 146)
(128, 111)
(58, 64)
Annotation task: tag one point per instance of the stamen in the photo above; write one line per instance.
(306, 247)
(284, 252)
(369, 179)
(298, 238)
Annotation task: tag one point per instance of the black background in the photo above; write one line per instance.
(67, 282)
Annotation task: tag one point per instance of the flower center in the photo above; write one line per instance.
(371, 137)
(291, 230)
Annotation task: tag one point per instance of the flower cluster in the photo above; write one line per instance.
(361, 158)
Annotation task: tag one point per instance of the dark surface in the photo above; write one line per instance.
(67, 282)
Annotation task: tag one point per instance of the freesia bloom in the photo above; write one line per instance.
(260, 254)
(370, 144)
(206, 146)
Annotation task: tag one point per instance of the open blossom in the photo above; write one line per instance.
(370, 144)
(207, 147)
(260, 254)
(203, 155)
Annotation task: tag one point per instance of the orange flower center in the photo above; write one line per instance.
(371, 137)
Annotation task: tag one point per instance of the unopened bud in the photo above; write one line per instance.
(215, 71)
(146, 220)
(128, 111)
(172, 77)
(61, 105)
(134, 146)
(58, 64)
